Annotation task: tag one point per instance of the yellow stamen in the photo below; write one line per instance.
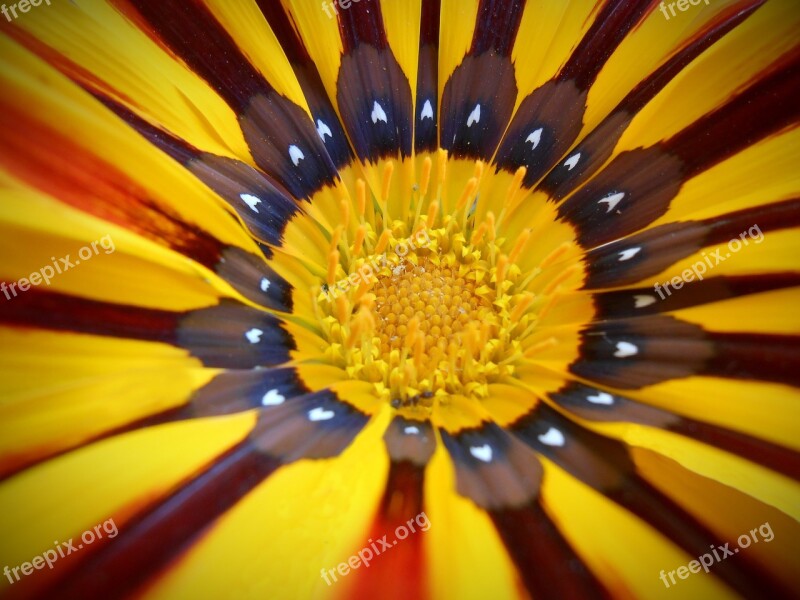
(521, 307)
(333, 262)
(469, 191)
(559, 279)
(358, 243)
(433, 210)
(555, 255)
(388, 170)
(383, 241)
(522, 240)
(427, 166)
(361, 198)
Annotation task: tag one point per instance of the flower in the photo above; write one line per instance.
(287, 285)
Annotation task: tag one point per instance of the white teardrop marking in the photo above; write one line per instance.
(427, 111)
(296, 154)
(535, 137)
(323, 130)
(629, 253)
(612, 200)
(552, 437)
(474, 116)
(254, 335)
(320, 414)
(642, 301)
(625, 349)
(483, 453)
(601, 398)
(272, 398)
(378, 114)
(572, 161)
(251, 201)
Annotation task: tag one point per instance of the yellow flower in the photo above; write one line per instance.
(399, 299)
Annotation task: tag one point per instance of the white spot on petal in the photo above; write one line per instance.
(323, 130)
(265, 283)
(629, 253)
(483, 453)
(272, 398)
(411, 430)
(254, 335)
(296, 154)
(601, 398)
(552, 437)
(572, 161)
(642, 301)
(427, 111)
(378, 114)
(251, 201)
(535, 137)
(320, 414)
(474, 116)
(612, 200)
(625, 349)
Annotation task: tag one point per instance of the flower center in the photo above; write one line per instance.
(435, 305)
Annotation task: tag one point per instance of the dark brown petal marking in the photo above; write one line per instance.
(373, 93)
(410, 441)
(594, 404)
(648, 253)
(60, 312)
(550, 118)
(232, 335)
(477, 103)
(605, 465)
(755, 356)
(595, 149)
(325, 119)
(237, 391)
(263, 203)
(763, 109)
(362, 23)
(400, 506)
(426, 130)
(283, 434)
(316, 425)
(479, 97)
(76, 177)
(598, 405)
(543, 129)
(282, 138)
(86, 182)
(634, 258)
(546, 563)
(629, 194)
(374, 98)
(493, 469)
(611, 25)
(496, 27)
(637, 186)
(162, 531)
(254, 279)
(631, 354)
(229, 393)
(643, 301)
(227, 335)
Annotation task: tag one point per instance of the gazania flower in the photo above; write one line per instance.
(399, 299)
